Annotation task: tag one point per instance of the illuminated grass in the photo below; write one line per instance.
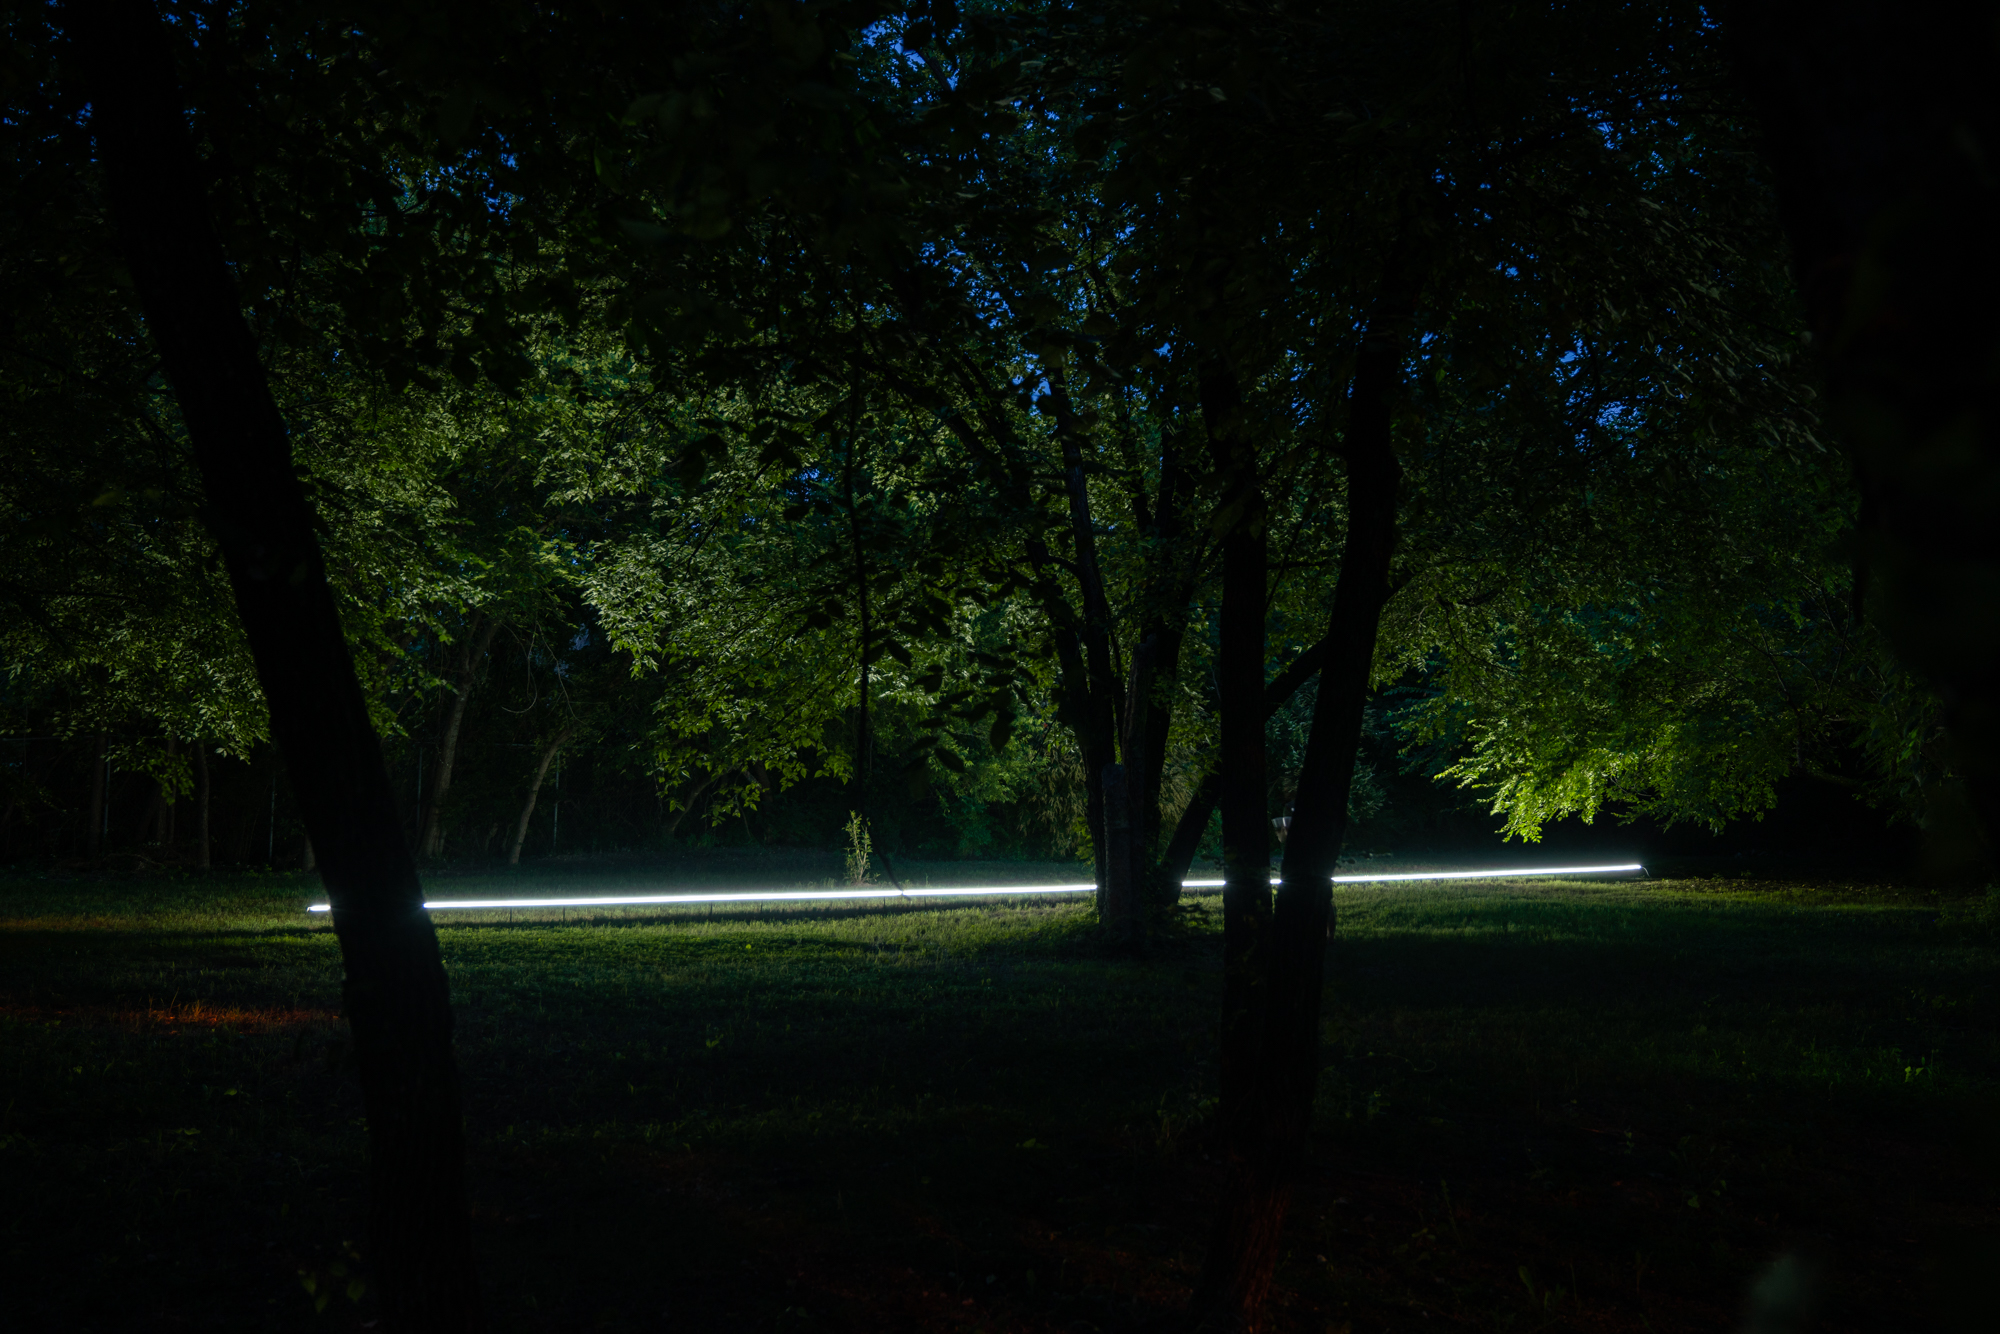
(862, 1113)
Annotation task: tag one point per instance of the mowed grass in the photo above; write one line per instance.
(1592, 1106)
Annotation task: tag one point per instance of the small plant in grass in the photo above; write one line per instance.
(860, 851)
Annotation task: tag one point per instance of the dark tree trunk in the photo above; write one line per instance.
(1155, 669)
(1120, 917)
(549, 753)
(432, 842)
(1186, 840)
(93, 836)
(1302, 919)
(1881, 126)
(1149, 717)
(1077, 706)
(1267, 1128)
(395, 992)
(1178, 858)
(1237, 1272)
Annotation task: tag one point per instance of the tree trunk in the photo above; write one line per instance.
(432, 842)
(93, 837)
(1881, 126)
(1155, 670)
(1178, 858)
(1121, 901)
(1075, 705)
(549, 753)
(395, 993)
(1237, 1272)
(1149, 717)
(1186, 840)
(1098, 727)
(1269, 1125)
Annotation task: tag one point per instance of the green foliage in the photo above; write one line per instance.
(809, 396)
(860, 851)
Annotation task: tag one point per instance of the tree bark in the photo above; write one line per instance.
(1178, 858)
(549, 753)
(93, 837)
(1092, 686)
(1302, 919)
(395, 994)
(1881, 126)
(1268, 1127)
(1186, 841)
(1237, 1272)
(432, 842)
(1121, 905)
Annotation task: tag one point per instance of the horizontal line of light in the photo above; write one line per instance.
(828, 895)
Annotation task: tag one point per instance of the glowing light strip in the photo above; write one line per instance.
(1451, 875)
(830, 895)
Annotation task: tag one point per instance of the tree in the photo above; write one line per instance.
(396, 997)
(1877, 123)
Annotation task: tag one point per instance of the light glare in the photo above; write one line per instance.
(833, 895)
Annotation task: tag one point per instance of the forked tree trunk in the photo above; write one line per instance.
(1186, 841)
(1237, 1271)
(395, 994)
(431, 844)
(549, 753)
(1267, 1126)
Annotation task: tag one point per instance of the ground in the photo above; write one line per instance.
(1547, 1105)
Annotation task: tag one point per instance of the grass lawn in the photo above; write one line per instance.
(1546, 1106)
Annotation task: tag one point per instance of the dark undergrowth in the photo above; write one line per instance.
(1546, 1107)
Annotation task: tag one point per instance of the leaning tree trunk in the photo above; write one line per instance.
(395, 994)
(432, 842)
(1881, 126)
(549, 753)
(1186, 840)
